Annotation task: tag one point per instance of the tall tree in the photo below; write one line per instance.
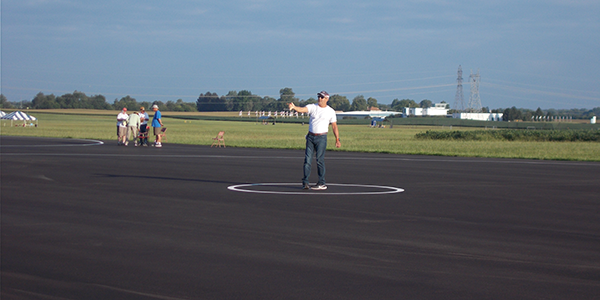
(359, 103)
(4, 102)
(266, 103)
(42, 101)
(244, 100)
(372, 102)
(339, 102)
(511, 114)
(128, 102)
(539, 112)
(210, 102)
(398, 105)
(425, 103)
(98, 102)
(286, 95)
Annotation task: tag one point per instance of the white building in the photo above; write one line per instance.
(478, 116)
(439, 109)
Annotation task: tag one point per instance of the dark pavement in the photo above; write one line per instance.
(84, 221)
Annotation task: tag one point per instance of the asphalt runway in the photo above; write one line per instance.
(85, 220)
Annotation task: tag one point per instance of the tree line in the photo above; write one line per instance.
(246, 101)
(79, 100)
(523, 114)
(233, 101)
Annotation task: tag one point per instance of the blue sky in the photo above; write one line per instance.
(529, 53)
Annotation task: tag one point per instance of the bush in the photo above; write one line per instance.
(514, 135)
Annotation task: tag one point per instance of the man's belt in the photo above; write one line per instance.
(316, 134)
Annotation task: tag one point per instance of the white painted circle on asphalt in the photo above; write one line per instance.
(90, 143)
(296, 189)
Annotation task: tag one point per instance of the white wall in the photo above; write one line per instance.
(478, 116)
(426, 112)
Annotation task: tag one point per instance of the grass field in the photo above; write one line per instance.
(97, 124)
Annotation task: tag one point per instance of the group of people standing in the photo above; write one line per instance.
(135, 126)
(321, 117)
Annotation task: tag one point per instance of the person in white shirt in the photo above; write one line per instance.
(122, 126)
(144, 126)
(321, 115)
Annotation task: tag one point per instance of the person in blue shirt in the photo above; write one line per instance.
(156, 124)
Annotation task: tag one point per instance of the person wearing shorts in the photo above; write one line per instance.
(156, 125)
(122, 118)
(133, 127)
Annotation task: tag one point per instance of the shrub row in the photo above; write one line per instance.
(514, 135)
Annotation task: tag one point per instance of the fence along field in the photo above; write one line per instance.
(200, 128)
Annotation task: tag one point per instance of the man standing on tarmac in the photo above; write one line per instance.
(321, 116)
(156, 124)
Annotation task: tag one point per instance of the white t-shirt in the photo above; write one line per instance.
(320, 118)
(121, 118)
(146, 117)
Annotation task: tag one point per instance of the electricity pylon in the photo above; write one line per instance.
(459, 100)
(474, 100)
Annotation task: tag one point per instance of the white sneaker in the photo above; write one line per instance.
(319, 187)
(158, 145)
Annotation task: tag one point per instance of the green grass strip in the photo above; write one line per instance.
(401, 139)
